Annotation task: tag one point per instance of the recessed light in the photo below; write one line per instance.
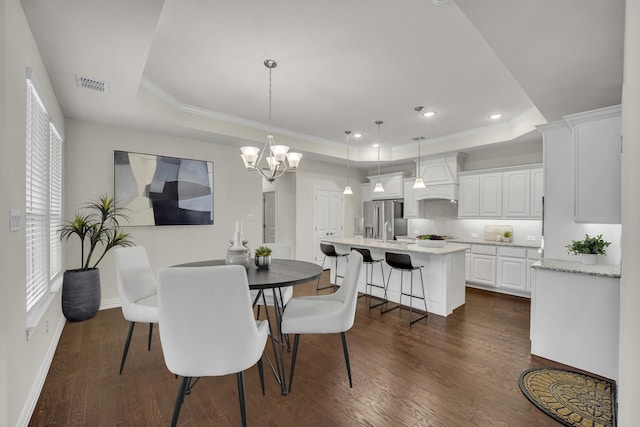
(375, 145)
(429, 114)
(495, 116)
(357, 135)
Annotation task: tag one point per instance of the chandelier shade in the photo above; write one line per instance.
(277, 158)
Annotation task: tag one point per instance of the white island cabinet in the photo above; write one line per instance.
(443, 272)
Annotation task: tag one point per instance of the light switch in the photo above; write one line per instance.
(474, 235)
(14, 220)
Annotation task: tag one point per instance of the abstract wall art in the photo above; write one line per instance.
(162, 190)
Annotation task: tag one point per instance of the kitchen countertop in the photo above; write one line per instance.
(603, 270)
(397, 245)
(516, 244)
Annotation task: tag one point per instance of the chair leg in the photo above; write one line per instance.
(424, 298)
(150, 334)
(126, 346)
(261, 374)
(179, 399)
(385, 299)
(243, 406)
(346, 356)
(296, 340)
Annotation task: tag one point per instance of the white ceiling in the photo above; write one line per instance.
(194, 68)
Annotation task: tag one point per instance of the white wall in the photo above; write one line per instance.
(23, 363)
(629, 375)
(285, 188)
(502, 155)
(89, 173)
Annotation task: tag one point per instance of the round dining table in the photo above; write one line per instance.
(281, 273)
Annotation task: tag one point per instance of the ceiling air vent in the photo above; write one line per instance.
(92, 84)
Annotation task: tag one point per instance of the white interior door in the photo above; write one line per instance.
(328, 219)
(269, 217)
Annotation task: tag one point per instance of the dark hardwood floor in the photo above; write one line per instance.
(457, 371)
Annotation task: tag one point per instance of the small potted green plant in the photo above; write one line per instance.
(97, 227)
(589, 248)
(508, 236)
(263, 257)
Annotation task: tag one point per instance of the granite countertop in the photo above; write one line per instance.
(398, 245)
(602, 270)
(516, 244)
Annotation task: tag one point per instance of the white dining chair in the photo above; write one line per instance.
(138, 291)
(325, 314)
(207, 326)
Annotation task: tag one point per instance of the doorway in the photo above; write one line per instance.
(269, 217)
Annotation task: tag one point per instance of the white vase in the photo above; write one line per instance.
(589, 259)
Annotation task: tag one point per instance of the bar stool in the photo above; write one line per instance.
(402, 262)
(369, 262)
(330, 251)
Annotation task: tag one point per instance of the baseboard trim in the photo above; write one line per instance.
(36, 389)
(110, 303)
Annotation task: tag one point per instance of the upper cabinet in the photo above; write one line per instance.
(509, 193)
(597, 161)
(391, 182)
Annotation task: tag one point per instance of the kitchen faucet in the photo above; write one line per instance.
(387, 224)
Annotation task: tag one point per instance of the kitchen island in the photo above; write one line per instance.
(443, 272)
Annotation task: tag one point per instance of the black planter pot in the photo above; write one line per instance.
(80, 294)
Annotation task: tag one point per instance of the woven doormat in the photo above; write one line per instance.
(572, 398)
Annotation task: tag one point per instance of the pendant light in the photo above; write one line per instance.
(347, 189)
(378, 188)
(419, 183)
(277, 157)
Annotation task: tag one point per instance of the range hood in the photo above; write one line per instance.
(442, 191)
(440, 176)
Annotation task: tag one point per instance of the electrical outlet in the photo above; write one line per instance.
(474, 235)
(14, 220)
(47, 326)
(532, 238)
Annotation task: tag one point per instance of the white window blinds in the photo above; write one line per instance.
(43, 216)
(36, 221)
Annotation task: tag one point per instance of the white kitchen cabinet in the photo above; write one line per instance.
(509, 193)
(537, 191)
(516, 194)
(469, 201)
(512, 268)
(491, 194)
(483, 265)
(391, 182)
(411, 206)
(597, 165)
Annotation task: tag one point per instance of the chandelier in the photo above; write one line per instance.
(277, 158)
(378, 188)
(347, 190)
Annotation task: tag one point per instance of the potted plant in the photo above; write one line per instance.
(589, 248)
(263, 257)
(508, 235)
(98, 229)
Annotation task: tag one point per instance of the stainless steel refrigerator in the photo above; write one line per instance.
(380, 212)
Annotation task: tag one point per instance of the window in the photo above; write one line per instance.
(43, 199)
